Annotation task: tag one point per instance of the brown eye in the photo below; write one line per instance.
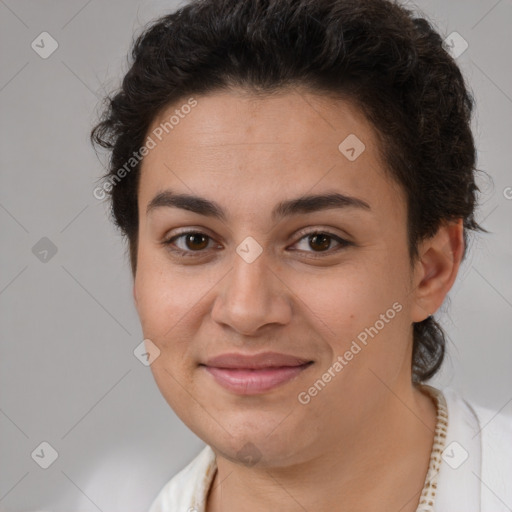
(196, 241)
(190, 243)
(320, 241)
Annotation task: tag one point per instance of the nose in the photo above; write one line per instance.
(252, 297)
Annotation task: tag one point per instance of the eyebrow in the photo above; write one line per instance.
(301, 205)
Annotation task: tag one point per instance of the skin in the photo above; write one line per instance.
(247, 154)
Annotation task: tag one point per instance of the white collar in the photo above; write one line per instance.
(458, 484)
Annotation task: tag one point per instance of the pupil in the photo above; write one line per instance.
(323, 237)
(192, 237)
(322, 241)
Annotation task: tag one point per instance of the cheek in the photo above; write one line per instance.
(350, 296)
(167, 304)
(364, 305)
(164, 294)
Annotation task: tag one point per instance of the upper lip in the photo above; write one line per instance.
(255, 361)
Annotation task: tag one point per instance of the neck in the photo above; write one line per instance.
(381, 466)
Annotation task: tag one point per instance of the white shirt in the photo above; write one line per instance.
(475, 474)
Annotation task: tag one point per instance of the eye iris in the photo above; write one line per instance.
(198, 241)
(323, 238)
(195, 236)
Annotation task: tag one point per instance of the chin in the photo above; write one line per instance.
(258, 441)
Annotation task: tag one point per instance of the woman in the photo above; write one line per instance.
(296, 182)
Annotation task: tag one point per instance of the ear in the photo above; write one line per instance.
(436, 269)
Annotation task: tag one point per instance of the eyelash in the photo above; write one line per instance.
(321, 254)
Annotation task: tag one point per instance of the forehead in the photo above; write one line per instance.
(288, 143)
(292, 117)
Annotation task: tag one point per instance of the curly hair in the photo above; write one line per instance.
(388, 62)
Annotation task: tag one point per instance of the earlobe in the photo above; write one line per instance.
(437, 268)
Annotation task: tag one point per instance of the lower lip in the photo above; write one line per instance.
(252, 382)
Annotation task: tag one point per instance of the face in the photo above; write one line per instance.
(326, 282)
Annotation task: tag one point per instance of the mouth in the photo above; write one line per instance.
(254, 374)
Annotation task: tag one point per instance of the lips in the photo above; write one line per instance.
(256, 361)
(254, 374)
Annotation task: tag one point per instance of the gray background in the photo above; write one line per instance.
(68, 375)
